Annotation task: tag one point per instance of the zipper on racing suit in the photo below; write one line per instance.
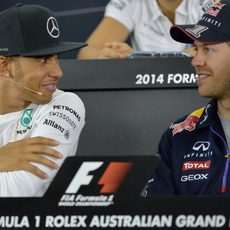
(226, 168)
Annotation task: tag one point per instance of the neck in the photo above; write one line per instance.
(168, 8)
(224, 109)
(10, 100)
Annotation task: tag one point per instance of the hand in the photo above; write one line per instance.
(191, 51)
(19, 155)
(115, 50)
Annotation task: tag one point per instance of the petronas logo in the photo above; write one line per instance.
(26, 117)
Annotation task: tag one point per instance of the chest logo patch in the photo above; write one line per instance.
(26, 117)
(189, 123)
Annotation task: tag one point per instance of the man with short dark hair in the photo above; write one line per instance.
(39, 124)
(195, 149)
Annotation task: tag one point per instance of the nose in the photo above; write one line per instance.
(198, 59)
(56, 70)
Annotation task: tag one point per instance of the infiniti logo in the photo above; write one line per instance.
(52, 27)
(204, 145)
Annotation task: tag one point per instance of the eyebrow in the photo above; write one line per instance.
(195, 44)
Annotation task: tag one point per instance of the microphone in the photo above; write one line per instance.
(23, 86)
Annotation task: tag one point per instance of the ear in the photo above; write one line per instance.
(4, 66)
(3, 62)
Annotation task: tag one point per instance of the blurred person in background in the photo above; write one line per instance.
(146, 21)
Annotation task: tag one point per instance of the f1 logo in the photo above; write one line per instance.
(82, 176)
(111, 179)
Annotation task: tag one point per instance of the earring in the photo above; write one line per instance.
(7, 74)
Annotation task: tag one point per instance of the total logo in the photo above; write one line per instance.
(196, 165)
(109, 183)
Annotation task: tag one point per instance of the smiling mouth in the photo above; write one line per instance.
(201, 76)
(50, 87)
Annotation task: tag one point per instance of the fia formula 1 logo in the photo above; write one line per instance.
(109, 182)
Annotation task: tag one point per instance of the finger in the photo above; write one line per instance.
(113, 45)
(118, 45)
(109, 53)
(40, 149)
(109, 44)
(125, 49)
(40, 159)
(35, 170)
(41, 141)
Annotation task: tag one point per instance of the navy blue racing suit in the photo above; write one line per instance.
(194, 157)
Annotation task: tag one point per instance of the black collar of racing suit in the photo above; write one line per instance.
(210, 117)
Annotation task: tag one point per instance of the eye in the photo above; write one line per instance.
(43, 59)
(208, 50)
(194, 50)
(46, 59)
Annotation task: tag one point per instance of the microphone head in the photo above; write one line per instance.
(40, 93)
